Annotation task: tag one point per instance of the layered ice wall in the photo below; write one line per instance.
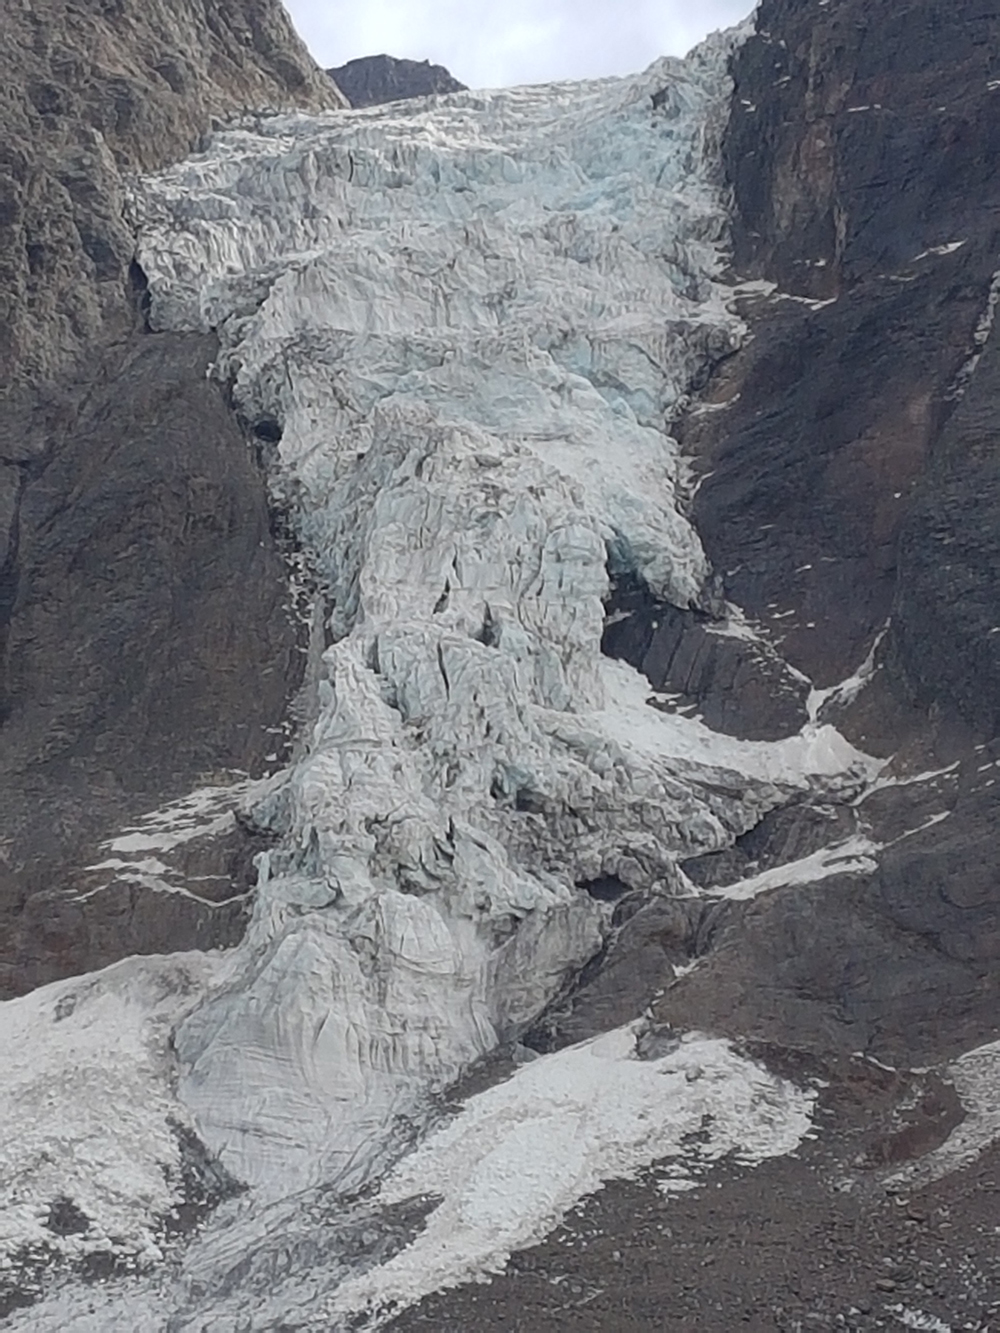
(471, 320)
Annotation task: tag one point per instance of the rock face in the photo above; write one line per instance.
(862, 151)
(848, 504)
(141, 590)
(371, 80)
(88, 93)
(149, 647)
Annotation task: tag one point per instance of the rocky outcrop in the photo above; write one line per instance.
(149, 649)
(736, 680)
(848, 502)
(945, 636)
(88, 94)
(372, 80)
(862, 151)
(146, 646)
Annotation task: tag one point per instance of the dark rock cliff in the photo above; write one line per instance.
(372, 80)
(850, 501)
(87, 93)
(863, 150)
(145, 641)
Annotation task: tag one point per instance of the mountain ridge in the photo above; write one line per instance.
(372, 80)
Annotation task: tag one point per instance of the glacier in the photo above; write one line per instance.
(464, 325)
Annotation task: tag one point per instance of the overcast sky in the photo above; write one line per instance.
(502, 42)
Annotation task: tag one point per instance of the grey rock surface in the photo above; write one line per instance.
(849, 491)
(862, 151)
(148, 649)
(145, 640)
(87, 94)
(738, 685)
(946, 610)
(371, 80)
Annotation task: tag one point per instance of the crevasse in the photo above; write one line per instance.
(472, 319)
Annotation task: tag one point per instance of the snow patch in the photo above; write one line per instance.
(854, 856)
(201, 814)
(916, 1319)
(207, 812)
(949, 249)
(88, 1105)
(847, 690)
(931, 775)
(519, 1156)
(981, 336)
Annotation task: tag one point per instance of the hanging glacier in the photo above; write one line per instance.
(466, 325)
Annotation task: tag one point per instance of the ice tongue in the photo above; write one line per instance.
(465, 325)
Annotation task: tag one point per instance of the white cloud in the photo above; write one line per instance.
(516, 41)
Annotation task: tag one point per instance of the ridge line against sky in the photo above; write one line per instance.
(515, 42)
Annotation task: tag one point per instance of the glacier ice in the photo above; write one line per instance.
(470, 321)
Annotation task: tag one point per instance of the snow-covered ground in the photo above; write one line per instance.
(472, 320)
(510, 1166)
(89, 1109)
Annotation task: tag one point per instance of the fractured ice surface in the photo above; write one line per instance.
(472, 319)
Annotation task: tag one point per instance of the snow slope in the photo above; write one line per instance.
(90, 1115)
(520, 1154)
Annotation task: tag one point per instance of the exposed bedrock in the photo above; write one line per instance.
(87, 94)
(849, 490)
(863, 150)
(946, 611)
(144, 638)
(736, 680)
(148, 650)
(371, 80)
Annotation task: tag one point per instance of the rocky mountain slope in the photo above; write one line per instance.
(90, 93)
(630, 448)
(371, 80)
(144, 636)
(848, 504)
